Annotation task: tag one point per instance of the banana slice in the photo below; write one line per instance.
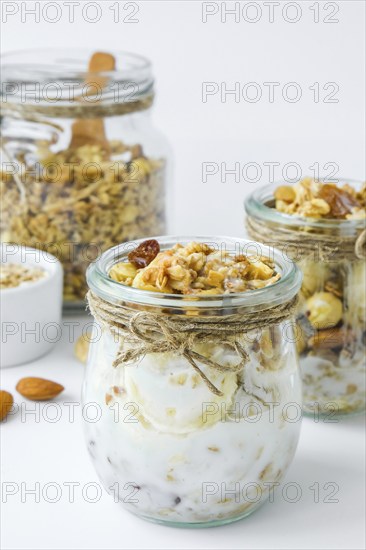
(172, 396)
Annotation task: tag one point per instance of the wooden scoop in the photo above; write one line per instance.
(91, 131)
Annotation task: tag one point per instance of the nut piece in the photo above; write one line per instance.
(328, 339)
(6, 403)
(324, 310)
(196, 268)
(311, 198)
(38, 389)
(316, 208)
(123, 272)
(81, 348)
(285, 193)
(144, 254)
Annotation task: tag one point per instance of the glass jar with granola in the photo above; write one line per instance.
(83, 169)
(322, 226)
(193, 370)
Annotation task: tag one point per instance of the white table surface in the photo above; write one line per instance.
(41, 451)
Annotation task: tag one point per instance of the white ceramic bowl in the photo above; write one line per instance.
(31, 312)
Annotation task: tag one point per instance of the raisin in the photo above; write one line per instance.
(339, 200)
(144, 254)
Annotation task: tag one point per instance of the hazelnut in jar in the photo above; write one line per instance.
(322, 226)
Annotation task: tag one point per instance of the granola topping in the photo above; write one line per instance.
(13, 275)
(80, 201)
(313, 199)
(195, 268)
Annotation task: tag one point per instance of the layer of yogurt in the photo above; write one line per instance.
(332, 390)
(170, 450)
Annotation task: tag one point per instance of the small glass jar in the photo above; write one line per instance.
(164, 445)
(83, 168)
(331, 331)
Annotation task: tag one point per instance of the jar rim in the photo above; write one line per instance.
(281, 291)
(256, 205)
(58, 75)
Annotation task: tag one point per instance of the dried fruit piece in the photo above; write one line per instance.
(144, 254)
(196, 268)
(6, 403)
(324, 310)
(311, 198)
(38, 389)
(118, 390)
(339, 200)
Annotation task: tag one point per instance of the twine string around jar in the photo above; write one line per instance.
(306, 243)
(360, 246)
(145, 332)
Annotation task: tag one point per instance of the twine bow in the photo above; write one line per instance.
(146, 332)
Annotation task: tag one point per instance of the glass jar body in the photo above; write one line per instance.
(331, 336)
(173, 452)
(331, 318)
(77, 201)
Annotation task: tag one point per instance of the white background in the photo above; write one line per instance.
(186, 53)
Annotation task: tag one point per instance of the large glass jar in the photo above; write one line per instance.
(82, 167)
(331, 331)
(167, 447)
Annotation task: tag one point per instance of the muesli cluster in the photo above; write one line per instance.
(195, 268)
(314, 199)
(332, 313)
(13, 275)
(80, 201)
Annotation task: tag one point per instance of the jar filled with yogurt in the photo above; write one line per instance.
(193, 368)
(322, 225)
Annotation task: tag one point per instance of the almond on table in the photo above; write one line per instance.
(38, 389)
(6, 403)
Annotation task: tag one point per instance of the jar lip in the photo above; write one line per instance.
(55, 74)
(281, 291)
(255, 205)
